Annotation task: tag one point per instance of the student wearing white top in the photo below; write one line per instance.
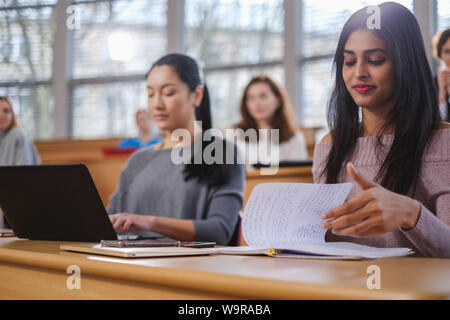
(441, 45)
(265, 105)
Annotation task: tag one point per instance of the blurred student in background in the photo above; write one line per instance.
(387, 136)
(146, 137)
(189, 201)
(265, 105)
(441, 44)
(15, 147)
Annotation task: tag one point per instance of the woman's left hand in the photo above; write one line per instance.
(374, 211)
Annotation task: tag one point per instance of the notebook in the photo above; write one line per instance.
(147, 252)
(283, 220)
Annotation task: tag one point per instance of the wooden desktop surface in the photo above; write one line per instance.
(37, 270)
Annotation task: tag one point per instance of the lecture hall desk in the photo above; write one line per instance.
(37, 270)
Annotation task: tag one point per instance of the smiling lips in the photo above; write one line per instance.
(363, 88)
(160, 117)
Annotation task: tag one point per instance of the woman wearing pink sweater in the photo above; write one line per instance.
(387, 136)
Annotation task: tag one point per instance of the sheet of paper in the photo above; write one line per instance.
(288, 214)
(348, 249)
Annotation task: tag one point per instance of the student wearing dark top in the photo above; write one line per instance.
(442, 54)
(188, 201)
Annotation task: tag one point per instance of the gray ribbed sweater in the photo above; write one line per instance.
(431, 236)
(16, 149)
(151, 184)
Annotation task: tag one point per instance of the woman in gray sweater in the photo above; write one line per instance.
(194, 200)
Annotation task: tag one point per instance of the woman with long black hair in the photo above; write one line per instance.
(194, 200)
(386, 135)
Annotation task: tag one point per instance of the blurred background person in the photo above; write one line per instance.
(441, 45)
(15, 148)
(265, 105)
(146, 137)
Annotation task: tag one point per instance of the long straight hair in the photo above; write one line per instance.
(415, 115)
(284, 117)
(190, 73)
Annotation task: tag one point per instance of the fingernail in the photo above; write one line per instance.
(324, 225)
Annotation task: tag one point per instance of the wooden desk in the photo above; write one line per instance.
(37, 270)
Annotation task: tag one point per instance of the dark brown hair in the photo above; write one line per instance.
(284, 116)
(442, 40)
(14, 120)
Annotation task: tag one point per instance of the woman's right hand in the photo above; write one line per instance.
(127, 222)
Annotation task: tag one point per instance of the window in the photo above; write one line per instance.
(114, 47)
(235, 40)
(443, 14)
(99, 109)
(322, 22)
(27, 31)
(118, 40)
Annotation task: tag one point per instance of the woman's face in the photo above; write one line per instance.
(445, 53)
(262, 102)
(6, 115)
(368, 71)
(170, 101)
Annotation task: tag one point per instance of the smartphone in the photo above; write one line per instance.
(155, 243)
(198, 244)
(139, 243)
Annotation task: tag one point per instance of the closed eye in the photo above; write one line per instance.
(377, 62)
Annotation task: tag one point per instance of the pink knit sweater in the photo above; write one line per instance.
(431, 236)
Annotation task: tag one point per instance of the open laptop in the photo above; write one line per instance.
(54, 202)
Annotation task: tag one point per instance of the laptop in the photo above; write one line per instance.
(54, 202)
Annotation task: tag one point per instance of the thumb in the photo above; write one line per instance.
(359, 179)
